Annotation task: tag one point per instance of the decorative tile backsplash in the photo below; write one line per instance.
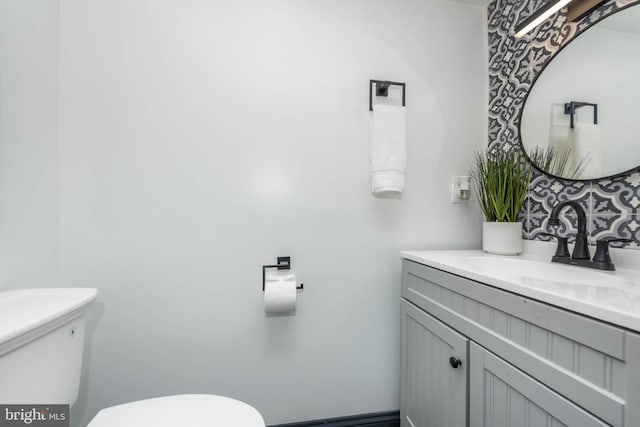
(612, 205)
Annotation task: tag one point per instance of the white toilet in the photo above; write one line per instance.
(188, 410)
(41, 345)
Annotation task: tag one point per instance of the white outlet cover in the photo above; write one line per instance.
(456, 183)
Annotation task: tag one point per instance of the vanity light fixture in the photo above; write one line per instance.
(539, 16)
(578, 9)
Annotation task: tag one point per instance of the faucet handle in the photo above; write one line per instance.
(602, 249)
(616, 239)
(562, 250)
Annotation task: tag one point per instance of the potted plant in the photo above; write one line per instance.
(502, 179)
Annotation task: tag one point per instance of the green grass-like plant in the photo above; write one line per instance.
(559, 162)
(502, 179)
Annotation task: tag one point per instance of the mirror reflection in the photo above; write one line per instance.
(582, 117)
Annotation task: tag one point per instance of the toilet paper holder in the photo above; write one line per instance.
(284, 263)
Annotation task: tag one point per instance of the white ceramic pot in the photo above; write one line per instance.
(502, 238)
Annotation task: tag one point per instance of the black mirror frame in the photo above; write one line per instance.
(524, 102)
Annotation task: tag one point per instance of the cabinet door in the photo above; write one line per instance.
(433, 393)
(502, 395)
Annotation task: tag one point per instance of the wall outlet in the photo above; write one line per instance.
(460, 189)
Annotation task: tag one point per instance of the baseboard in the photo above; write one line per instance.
(377, 419)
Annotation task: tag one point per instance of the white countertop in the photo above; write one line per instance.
(613, 297)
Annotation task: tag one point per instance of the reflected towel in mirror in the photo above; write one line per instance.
(586, 144)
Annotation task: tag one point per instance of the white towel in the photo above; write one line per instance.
(388, 148)
(586, 145)
(559, 137)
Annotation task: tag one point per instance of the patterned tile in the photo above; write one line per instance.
(617, 196)
(525, 227)
(523, 217)
(605, 225)
(617, 226)
(540, 224)
(547, 192)
(514, 65)
(534, 225)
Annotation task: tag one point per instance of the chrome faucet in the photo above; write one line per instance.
(580, 255)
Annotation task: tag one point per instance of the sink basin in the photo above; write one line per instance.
(545, 272)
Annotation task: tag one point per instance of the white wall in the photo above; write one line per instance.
(201, 139)
(29, 143)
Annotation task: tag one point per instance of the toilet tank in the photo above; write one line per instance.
(41, 342)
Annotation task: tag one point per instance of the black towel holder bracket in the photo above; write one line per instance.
(284, 263)
(571, 107)
(382, 89)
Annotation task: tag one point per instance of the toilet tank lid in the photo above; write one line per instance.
(25, 310)
(193, 410)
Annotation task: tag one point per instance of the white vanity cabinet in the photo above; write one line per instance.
(521, 362)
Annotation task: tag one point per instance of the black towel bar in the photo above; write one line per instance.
(571, 107)
(382, 89)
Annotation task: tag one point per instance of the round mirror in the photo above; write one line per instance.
(581, 120)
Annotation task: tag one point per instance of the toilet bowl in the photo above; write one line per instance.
(41, 342)
(187, 410)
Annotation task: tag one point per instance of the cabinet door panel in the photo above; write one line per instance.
(433, 393)
(502, 395)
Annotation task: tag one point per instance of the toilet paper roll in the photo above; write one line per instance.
(279, 293)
